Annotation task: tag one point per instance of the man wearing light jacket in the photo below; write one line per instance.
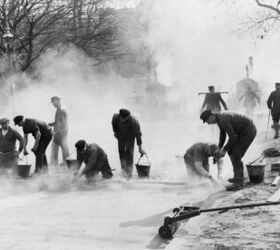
(126, 129)
(241, 132)
(197, 160)
(60, 131)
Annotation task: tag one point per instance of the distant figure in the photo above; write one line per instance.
(42, 134)
(8, 153)
(212, 101)
(126, 128)
(273, 103)
(250, 101)
(95, 159)
(241, 132)
(60, 131)
(197, 159)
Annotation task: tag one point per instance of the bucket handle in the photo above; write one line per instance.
(261, 157)
(141, 157)
(26, 159)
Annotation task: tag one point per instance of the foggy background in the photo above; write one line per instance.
(194, 44)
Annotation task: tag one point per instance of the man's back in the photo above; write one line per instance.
(198, 151)
(273, 102)
(212, 101)
(230, 120)
(125, 129)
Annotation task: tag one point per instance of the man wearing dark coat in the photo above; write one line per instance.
(95, 160)
(273, 103)
(126, 129)
(8, 153)
(212, 101)
(241, 131)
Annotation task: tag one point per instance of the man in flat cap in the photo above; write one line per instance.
(60, 131)
(212, 101)
(273, 103)
(241, 132)
(126, 129)
(95, 160)
(197, 160)
(42, 134)
(8, 153)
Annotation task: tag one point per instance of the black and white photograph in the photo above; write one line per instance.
(139, 124)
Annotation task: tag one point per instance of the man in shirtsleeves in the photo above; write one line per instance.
(42, 134)
(60, 131)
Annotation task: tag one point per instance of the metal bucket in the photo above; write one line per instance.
(256, 172)
(23, 170)
(275, 167)
(72, 164)
(143, 169)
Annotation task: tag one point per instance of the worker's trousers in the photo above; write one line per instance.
(126, 152)
(41, 163)
(59, 141)
(8, 162)
(102, 166)
(239, 150)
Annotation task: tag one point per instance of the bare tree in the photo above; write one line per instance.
(264, 20)
(35, 25)
(93, 28)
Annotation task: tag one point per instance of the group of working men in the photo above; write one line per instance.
(240, 130)
(43, 135)
(126, 129)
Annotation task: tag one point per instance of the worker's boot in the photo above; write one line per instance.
(231, 180)
(235, 187)
(276, 127)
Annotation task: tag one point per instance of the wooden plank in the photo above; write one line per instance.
(274, 197)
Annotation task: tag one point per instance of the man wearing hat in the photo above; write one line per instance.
(60, 131)
(42, 134)
(95, 160)
(273, 103)
(212, 101)
(8, 138)
(241, 132)
(126, 129)
(197, 160)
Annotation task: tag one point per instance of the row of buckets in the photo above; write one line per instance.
(143, 167)
(255, 171)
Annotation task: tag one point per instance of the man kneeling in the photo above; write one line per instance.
(197, 160)
(95, 160)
